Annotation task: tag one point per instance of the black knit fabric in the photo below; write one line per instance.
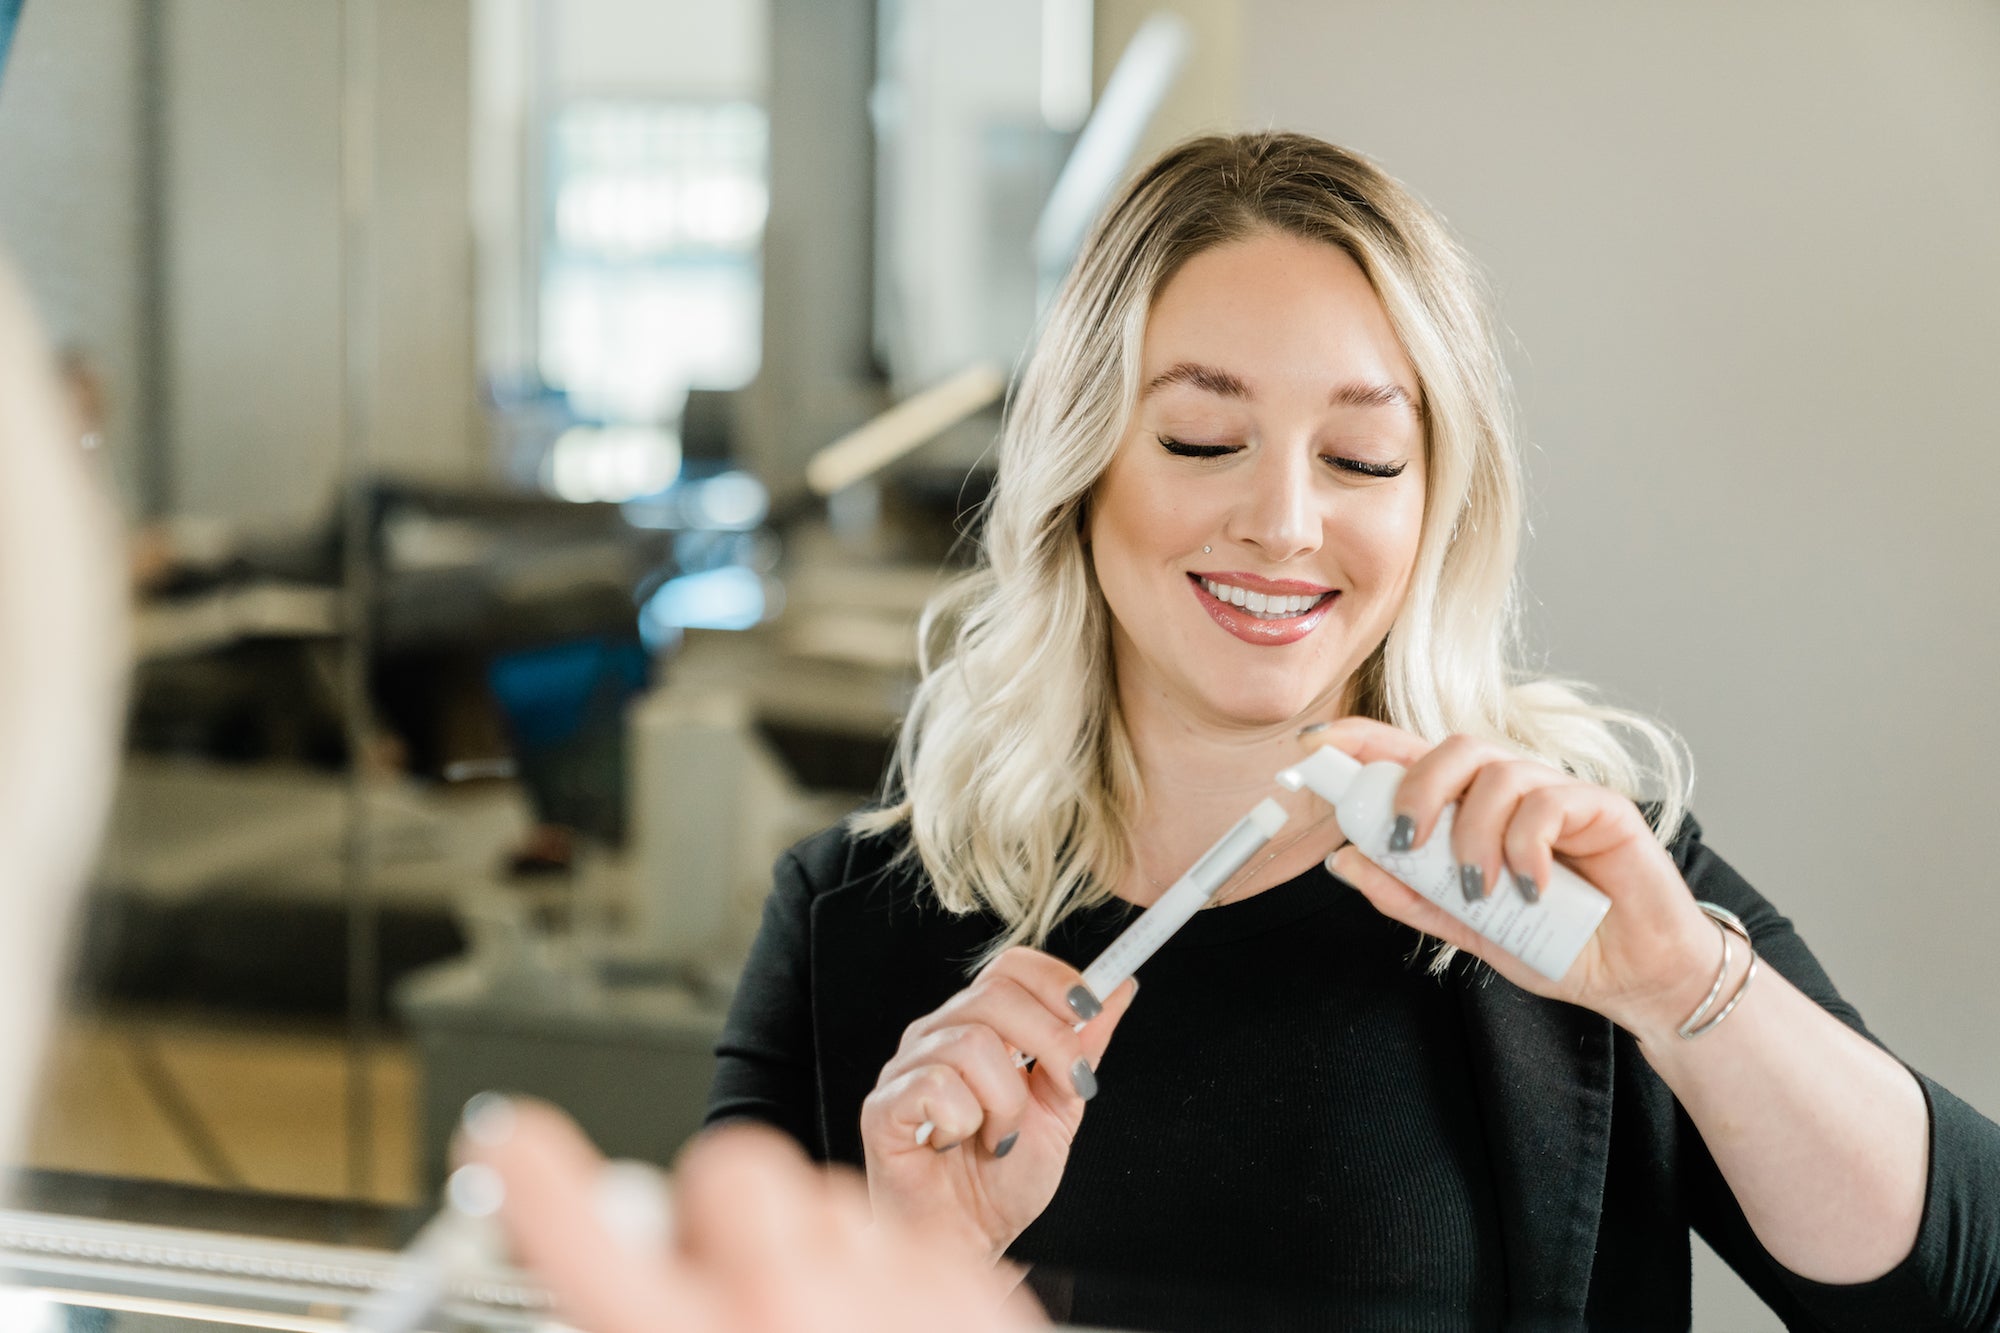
(1286, 1109)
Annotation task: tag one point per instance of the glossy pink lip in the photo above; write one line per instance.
(1251, 583)
(1263, 633)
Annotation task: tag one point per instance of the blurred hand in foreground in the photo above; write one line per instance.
(761, 1239)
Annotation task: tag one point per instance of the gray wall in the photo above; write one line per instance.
(1746, 254)
(1207, 95)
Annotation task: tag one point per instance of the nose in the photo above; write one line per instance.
(1279, 514)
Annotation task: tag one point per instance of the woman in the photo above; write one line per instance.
(1258, 477)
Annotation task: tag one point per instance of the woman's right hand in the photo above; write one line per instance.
(961, 1142)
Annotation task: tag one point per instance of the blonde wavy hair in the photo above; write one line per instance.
(1013, 772)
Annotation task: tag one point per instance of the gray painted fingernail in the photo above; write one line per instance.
(1530, 890)
(1086, 1005)
(945, 1147)
(1472, 882)
(1404, 835)
(1006, 1145)
(1086, 1082)
(488, 1119)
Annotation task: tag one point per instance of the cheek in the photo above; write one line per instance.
(1137, 519)
(1381, 543)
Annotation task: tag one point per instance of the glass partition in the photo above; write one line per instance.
(407, 334)
(455, 365)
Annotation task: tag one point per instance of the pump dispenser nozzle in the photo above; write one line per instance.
(1327, 771)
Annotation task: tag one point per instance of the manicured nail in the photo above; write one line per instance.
(944, 1147)
(924, 1132)
(1310, 727)
(1086, 1005)
(476, 1190)
(1086, 1082)
(1472, 882)
(1530, 890)
(1006, 1145)
(1404, 835)
(488, 1119)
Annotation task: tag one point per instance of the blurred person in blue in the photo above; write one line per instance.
(749, 1199)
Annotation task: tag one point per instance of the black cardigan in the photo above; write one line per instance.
(1598, 1173)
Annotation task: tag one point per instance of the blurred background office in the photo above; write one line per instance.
(497, 392)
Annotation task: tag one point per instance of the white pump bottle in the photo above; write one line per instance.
(1547, 934)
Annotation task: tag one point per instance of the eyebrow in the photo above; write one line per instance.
(1195, 375)
(1359, 394)
(1223, 384)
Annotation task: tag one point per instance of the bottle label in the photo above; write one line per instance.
(1546, 935)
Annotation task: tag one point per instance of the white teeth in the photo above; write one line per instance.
(1259, 604)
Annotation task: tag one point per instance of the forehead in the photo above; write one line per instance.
(1275, 311)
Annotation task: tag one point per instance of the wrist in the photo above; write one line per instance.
(1713, 968)
(962, 1239)
(971, 1251)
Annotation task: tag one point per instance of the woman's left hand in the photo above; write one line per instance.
(1653, 958)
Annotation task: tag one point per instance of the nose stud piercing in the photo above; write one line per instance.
(1208, 550)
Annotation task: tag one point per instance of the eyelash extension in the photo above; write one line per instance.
(1383, 470)
(1182, 449)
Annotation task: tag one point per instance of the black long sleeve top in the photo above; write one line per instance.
(1299, 1127)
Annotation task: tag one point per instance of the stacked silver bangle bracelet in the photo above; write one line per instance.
(1727, 922)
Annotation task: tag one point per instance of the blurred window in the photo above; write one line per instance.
(651, 282)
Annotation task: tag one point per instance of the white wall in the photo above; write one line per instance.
(251, 257)
(817, 379)
(71, 179)
(428, 423)
(252, 252)
(961, 136)
(1747, 257)
(660, 48)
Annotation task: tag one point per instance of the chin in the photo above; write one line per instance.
(1264, 703)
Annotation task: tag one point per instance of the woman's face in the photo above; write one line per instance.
(1255, 532)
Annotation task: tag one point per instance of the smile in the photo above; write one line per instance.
(1264, 606)
(1265, 618)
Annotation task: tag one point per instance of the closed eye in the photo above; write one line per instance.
(1384, 470)
(1360, 467)
(1182, 449)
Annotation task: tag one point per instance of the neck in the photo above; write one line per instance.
(1184, 763)
(1199, 776)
